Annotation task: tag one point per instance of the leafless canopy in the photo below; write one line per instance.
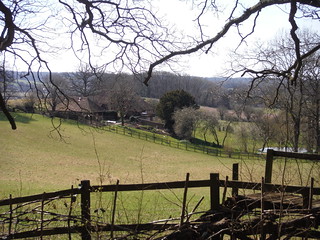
(106, 35)
(309, 9)
(127, 35)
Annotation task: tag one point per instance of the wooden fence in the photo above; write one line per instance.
(183, 145)
(85, 191)
(271, 154)
(84, 224)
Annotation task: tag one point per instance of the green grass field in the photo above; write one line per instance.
(34, 159)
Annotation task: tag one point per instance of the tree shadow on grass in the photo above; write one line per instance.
(18, 117)
(198, 141)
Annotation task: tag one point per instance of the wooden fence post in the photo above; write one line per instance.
(72, 200)
(262, 230)
(214, 191)
(268, 169)
(10, 218)
(311, 194)
(184, 198)
(85, 209)
(235, 177)
(114, 209)
(41, 216)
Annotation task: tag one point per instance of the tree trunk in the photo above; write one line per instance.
(122, 118)
(296, 133)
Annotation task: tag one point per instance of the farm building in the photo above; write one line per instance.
(84, 108)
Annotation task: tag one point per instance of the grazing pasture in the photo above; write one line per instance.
(35, 158)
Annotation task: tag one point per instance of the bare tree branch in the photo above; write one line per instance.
(7, 33)
(296, 40)
(232, 22)
(6, 113)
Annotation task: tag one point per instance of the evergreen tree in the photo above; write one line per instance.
(172, 101)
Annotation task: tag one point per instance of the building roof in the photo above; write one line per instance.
(79, 104)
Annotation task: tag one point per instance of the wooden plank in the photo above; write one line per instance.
(214, 191)
(158, 186)
(199, 184)
(235, 177)
(304, 156)
(85, 209)
(45, 232)
(275, 200)
(269, 163)
(135, 227)
(39, 197)
(114, 209)
(184, 201)
(152, 186)
(311, 193)
(78, 229)
(270, 187)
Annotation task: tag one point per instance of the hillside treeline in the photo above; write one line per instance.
(214, 92)
(211, 92)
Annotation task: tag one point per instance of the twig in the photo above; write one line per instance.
(194, 209)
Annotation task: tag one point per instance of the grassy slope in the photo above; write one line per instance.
(32, 162)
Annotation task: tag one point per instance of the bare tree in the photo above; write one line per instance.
(186, 122)
(222, 112)
(125, 34)
(84, 82)
(128, 35)
(122, 97)
(268, 128)
(308, 9)
(291, 98)
(249, 112)
(8, 86)
(53, 90)
(312, 109)
(210, 124)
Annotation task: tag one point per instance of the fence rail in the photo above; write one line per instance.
(183, 145)
(85, 189)
(270, 158)
(83, 223)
